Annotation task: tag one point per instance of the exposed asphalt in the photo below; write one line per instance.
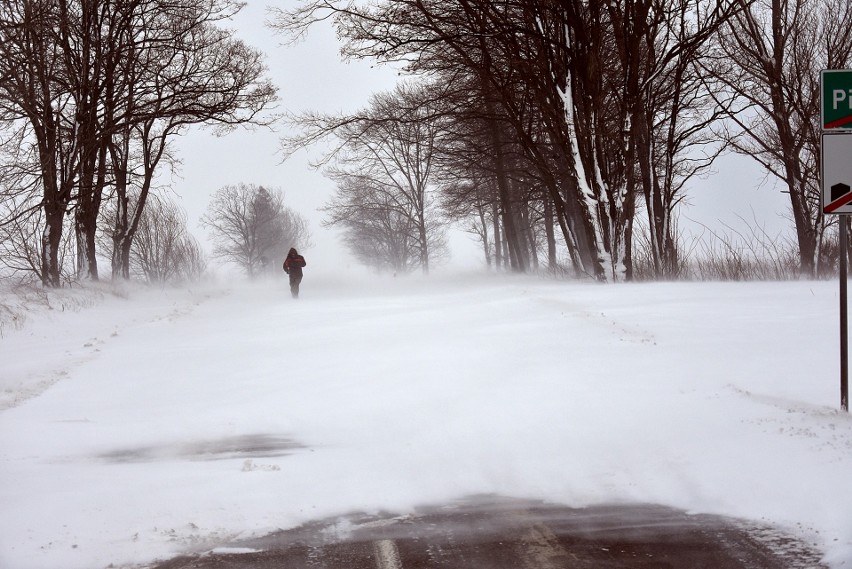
(499, 533)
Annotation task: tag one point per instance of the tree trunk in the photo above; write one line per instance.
(511, 234)
(51, 272)
(550, 234)
(498, 236)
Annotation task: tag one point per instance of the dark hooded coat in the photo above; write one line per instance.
(293, 263)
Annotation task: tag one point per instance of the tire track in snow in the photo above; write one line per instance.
(624, 332)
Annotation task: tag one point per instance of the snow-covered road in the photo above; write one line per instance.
(161, 421)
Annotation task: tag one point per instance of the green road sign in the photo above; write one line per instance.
(836, 96)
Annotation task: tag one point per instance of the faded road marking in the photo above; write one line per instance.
(542, 549)
(387, 555)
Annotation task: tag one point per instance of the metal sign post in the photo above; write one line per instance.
(844, 320)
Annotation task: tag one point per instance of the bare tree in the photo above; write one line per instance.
(769, 57)
(386, 152)
(184, 71)
(250, 227)
(20, 247)
(163, 249)
(20, 211)
(378, 229)
(31, 69)
(668, 107)
(90, 76)
(389, 155)
(470, 189)
(375, 230)
(470, 202)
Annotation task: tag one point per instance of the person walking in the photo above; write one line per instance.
(293, 264)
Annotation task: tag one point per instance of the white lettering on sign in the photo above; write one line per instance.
(839, 95)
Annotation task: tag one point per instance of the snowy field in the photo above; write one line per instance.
(138, 425)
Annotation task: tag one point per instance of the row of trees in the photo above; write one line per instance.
(558, 129)
(91, 92)
(249, 226)
(384, 173)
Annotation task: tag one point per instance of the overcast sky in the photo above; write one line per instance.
(311, 76)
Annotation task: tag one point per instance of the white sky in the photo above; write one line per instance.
(311, 76)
